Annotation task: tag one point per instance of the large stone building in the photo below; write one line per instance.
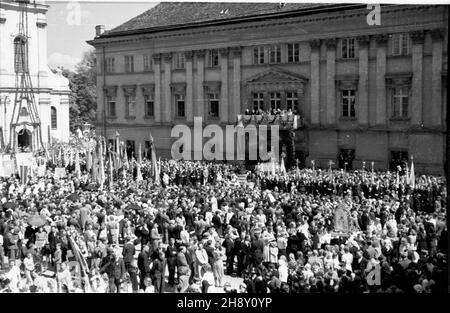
(365, 93)
(23, 53)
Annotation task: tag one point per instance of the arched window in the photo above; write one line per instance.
(20, 55)
(54, 119)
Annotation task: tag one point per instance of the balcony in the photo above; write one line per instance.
(285, 121)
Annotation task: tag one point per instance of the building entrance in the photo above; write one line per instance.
(24, 140)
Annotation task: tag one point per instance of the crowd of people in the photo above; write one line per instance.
(200, 224)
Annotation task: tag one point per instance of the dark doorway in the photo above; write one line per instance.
(131, 151)
(398, 158)
(346, 157)
(24, 140)
(300, 157)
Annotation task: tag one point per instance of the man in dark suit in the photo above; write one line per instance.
(228, 244)
(158, 270)
(210, 252)
(183, 269)
(257, 249)
(359, 264)
(128, 252)
(242, 249)
(115, 269)
(144, 265)
(171, 256)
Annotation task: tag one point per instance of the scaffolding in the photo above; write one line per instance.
(25, 123)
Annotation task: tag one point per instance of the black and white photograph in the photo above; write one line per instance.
(225, 147)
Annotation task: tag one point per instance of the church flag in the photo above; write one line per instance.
(155, 170)
(88, 160)
(110, 171)
(139, 164)
(23, 173)
(412, 177)
(77, 165)
(101, 166)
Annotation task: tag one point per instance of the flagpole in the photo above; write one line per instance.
(412, 179)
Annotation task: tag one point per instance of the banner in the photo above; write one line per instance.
(41, 170)
(25, 159)
(60, 172)
(341, 219)
(24, 171)
(83, 266)
(242, 178)
(9, 168)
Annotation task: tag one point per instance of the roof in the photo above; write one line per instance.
(170, 15)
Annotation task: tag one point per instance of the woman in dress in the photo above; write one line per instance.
(41, 239)
(218, 255)
(207, 279)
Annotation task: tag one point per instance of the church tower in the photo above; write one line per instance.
(34, 99)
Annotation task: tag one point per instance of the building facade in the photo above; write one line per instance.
(24, 51)
(365, 93)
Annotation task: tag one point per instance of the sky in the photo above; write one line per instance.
(71, 24)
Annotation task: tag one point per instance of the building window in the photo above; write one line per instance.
(400, 44)
(147, 150)
(293, 52)
(275, 100)
(213, 58)
(148, 63)
(400, 99)
(275, 54)
(258, 55)
(398, 158)
(110, 65)
(130, 148)
(292, 101)
(111, 106)
(20, 55)
(149, 105)
(345, 158)
(129, 64)
(111, 144)
(179, 102)
(23, 111)
(179, 61)
(258, 101)
(348, 103)
(54, 118)
(130, 102)
(213, 99)
(348, 48)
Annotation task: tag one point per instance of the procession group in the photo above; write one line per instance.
(196, 223)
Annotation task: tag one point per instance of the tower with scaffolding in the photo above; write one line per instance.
(34, 100)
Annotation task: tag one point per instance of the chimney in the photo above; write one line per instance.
(99, 30)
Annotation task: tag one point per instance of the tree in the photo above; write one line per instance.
(83, 97)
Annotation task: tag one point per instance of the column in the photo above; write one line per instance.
(437, 36)
(363, 83)
(157, 100)
(417, 79)
(224, 85)
(331, 69)
(189, 85)
(235, 108)
(167, 94)
(41, 24)
(200, 98)
(380, 116)
(315, 83)
(4, 43)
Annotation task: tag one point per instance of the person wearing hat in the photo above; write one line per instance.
(12, 240)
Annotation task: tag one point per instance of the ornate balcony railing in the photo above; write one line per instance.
(285, 121)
